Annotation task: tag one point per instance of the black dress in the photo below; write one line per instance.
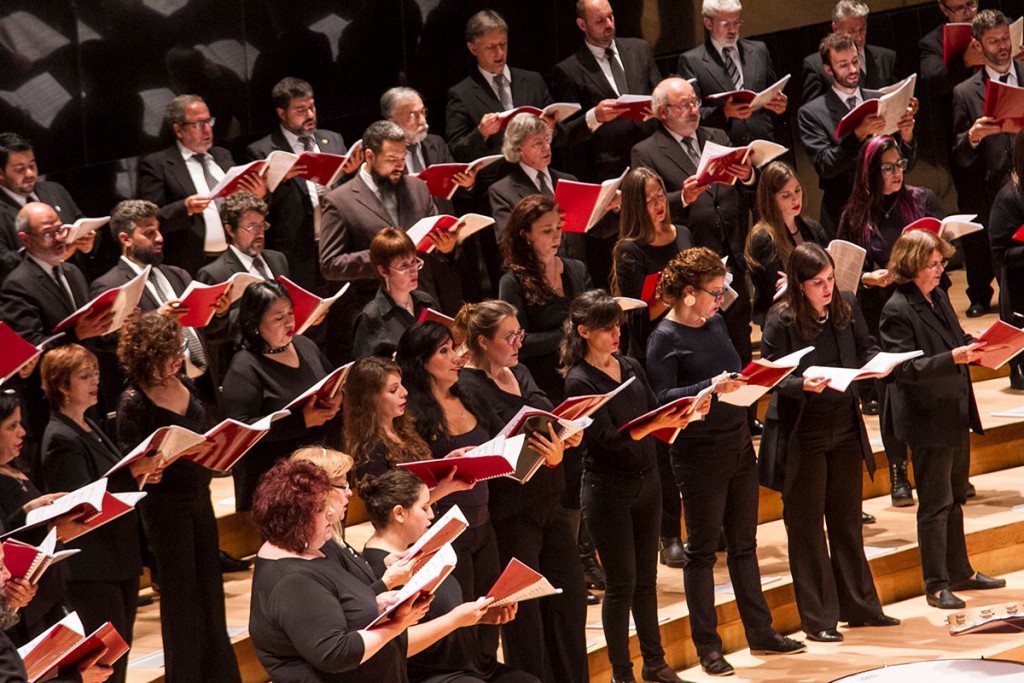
(181, 529)
(304, 615)
(257, 385)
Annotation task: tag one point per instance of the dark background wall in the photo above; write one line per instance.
(87, 80)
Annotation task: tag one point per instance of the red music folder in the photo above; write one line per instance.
(1005, 103)
(584, 204)
(1002, 342)
(440, 178)
(306, 306)
(955, 39)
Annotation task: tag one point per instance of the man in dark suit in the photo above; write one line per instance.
(985, 153)
(19, 185)
(726, 62)
(380, 195)
(179, 178)
(938, 78)
(836, 160)
(295, 210)
(877, 64)
(604, 68)
(718, 215)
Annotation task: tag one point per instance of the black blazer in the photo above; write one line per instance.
(435, 151)
(227, 264)
(788, 398)
(382, 322)
(291, 209)
(1005, 218)
(720, 214)
(881, 71)
(11, 251)
(935, 77)
(122, 273)
(579, 78)
(836, 160)
(931, 400)
(704, 65)
(164, 180)
(73, 458)
(32, 302)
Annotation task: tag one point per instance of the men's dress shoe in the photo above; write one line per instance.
(899, 485)
(869, 408)
(978, 582)
(971, 491)
(780, 646)
(625, 679)
(593, 574)
(1016, 377)
(977, 310)
(945, 600)
(756, 427)
(879, 620)
(714, 664)
(660, 674)
(829, 635)
(865, 518)
(230, 564)
(672, 552)
(593, 599)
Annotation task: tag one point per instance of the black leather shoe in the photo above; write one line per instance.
(899, 486)
(672, 552)
(978, 582)
(829, 635)
(625, 679)
(945, 600)
(1016, 377)
(865, 518)
(230, 564)
(714, 664)
(593, 574)
(660, 674)
(593, 599)
(880, 620)
(756, 427)
(780, 646)
(870, 408)
(977, 310)
(971, 491)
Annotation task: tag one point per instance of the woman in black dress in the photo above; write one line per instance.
(398, 504)
(398, 303)
(311, 599)
(713, 460)
(934, 411)
(815, 446)
(177, 513)
(781, 228)
(621, 484)
(547, 638)
(273, 367)
(104, 577)
(878, 209)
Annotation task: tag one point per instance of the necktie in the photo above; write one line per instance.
(1005, 78)
(195, 347)
(542, 185)
(691, 149)
(414, 157)
(851, 102)
(390, 202)
(618, 75)
(204, 161)
(730, 67)
(504, 96)
(60, 284)
(307, 143)
(261, 268)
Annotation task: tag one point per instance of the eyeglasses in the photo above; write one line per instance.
(417, 114)
(939, 266)
(657, 196)
(199, 125)
(259, 227)
(512, 337)
(408, 267)
(685, 105)
(961, 9)
(736, 23)
(717, 296)
(48, 236)
(889, 169)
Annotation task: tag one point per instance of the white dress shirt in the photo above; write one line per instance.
(735, 60)
(311, 188)
(214, 241)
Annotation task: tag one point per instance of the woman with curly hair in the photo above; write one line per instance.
(713, 459)
(540, 284)
(177, 512)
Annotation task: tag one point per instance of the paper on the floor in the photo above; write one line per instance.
(1012, 412)
(873, 551)
(727, 589)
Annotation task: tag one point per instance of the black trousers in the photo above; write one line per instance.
(98, 602)
(548, 636)
(941, 477)
(477, 570)
(978, 263)
(832, 581)
(623, 514)
(503, 674)
(720, 491)
(182, 532)
(738, 317)
(671, 506)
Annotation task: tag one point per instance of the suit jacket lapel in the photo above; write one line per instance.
(837, 109)
(176, 168)
(365, 196)
(279, 142)
(751, 67)
(674, 151)
(716, 68)
(127, 273)
(485, 94)
(594, 73)
(925, 312)
(47, 282)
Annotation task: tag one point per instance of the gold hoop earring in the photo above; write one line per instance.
(689, 300)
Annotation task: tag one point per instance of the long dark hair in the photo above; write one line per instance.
(518, 252)
(806, 261)
(859, 221)
(595, 310)
(773, 178)
(415, 348)
(257, 298)
(8, 403)
(635, 224)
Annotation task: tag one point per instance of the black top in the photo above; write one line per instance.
(1005, 218)
(304, 615)
(138, 417)
(12, 668)
(543, 323)
(681, 361)
(609, 451)
(381, 322)
(765, 275)
(508, 496)
(73, 458)
(458, 652)
(634, 262)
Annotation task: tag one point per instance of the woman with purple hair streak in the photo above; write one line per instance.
(878, 209)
